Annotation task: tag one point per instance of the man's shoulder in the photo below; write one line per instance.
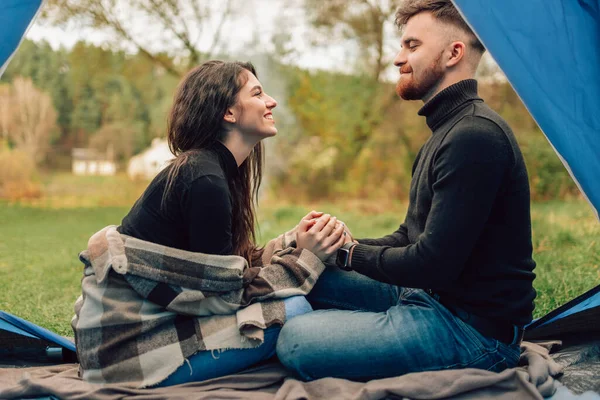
(479, 118)
(484, 115)
(480, 132)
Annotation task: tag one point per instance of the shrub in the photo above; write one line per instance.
(548, 177)
(18, 176)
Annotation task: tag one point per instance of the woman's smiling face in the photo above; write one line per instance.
(253, 109)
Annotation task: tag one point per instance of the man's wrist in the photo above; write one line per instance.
(350, 254)
(343, 256)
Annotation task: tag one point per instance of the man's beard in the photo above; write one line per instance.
(411, 89)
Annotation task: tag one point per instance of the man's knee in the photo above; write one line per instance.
(292, 348)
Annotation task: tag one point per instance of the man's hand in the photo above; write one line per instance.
(349, 237)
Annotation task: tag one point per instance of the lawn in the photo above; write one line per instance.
(39, 243)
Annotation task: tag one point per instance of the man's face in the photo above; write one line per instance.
(421, 63)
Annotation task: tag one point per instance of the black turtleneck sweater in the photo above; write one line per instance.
(197, 214)
(467, 232)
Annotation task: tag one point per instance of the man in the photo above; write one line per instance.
(452, 287)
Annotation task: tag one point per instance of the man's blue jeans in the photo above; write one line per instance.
(379, 330)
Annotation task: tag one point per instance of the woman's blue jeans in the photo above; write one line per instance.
(212, 364)
(378, 330)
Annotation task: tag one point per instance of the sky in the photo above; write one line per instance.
(259, 22)
(255, 23)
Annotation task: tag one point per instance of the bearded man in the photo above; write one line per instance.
(453, 286)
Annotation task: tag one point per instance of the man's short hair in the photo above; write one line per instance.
(442, 10)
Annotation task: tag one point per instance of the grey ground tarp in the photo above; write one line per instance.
(270, 381)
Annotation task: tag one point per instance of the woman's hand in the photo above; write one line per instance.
(322, 236)
(313, 215)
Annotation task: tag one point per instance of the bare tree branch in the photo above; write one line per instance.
(115, 24)
(183, 19)
(170, 22)
(217, 38)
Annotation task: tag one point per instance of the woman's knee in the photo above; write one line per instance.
(296, 305)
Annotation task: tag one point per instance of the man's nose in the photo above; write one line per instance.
(400, 58)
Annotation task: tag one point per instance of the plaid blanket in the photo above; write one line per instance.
(146, 308)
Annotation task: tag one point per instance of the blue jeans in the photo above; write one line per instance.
(212, 364)
(380, 330)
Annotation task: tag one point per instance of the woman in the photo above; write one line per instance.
(201, 204)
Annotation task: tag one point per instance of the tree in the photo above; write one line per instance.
(27, 118)
(49, 71)
(5, 110)
(87, 115)
(368, 23)
(179, 24)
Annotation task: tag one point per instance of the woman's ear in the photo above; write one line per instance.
(229, 116)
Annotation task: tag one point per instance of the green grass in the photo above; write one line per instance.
(39, 269)
(566, 240)
(40, 273)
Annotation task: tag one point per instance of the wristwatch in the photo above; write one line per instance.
(343, 256)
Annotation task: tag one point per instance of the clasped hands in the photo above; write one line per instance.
(322, 234)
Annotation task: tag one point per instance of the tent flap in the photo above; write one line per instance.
(17, 15)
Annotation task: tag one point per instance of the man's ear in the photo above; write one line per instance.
(229, 116)
(457, 52)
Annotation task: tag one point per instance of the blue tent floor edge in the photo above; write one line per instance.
(576, 325)
(579, 316)
(23, 343)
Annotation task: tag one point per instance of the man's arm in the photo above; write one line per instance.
(400, 237)
(468, 171)
(396, 239)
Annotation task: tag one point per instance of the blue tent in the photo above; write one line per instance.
(15, 18)
(21, 340)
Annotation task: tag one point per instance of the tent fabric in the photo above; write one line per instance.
(23, 343)
(550, 52)
(34, 330)
(15, 18)
(8, 327)
(587, 301)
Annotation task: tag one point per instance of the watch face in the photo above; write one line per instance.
(342, 257)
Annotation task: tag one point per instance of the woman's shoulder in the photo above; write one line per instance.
(202, 163)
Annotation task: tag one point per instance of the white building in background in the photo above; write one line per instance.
(92, 162)
(151, 161)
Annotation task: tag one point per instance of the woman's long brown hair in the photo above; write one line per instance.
(196, 123)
